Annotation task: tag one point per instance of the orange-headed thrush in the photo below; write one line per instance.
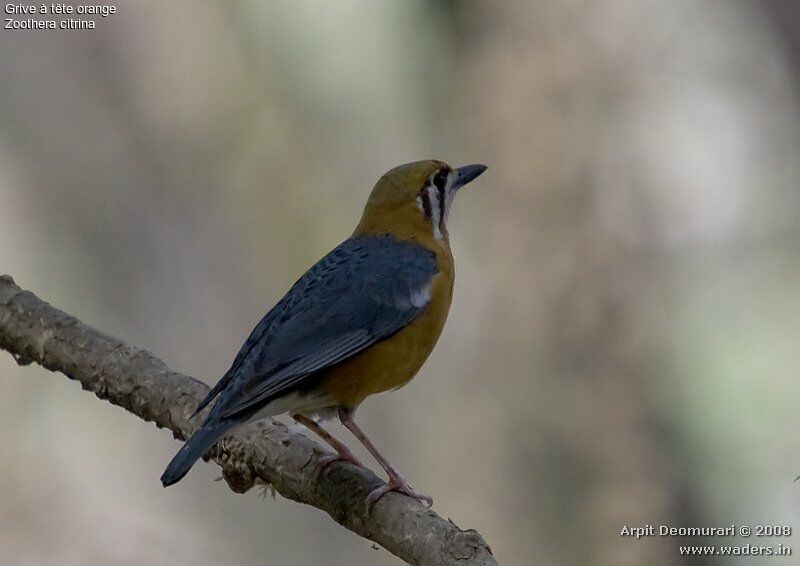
(362, 320)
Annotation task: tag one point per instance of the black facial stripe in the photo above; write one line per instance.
(440, 191)
(426, 202)
(440, 178)
(440, 183)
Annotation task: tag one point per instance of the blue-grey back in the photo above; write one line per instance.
(363, 291)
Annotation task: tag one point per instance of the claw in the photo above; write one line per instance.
(396, 481)
(399, 485)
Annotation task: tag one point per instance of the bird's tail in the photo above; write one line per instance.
(197, 445)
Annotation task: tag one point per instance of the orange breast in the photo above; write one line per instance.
(392, 363)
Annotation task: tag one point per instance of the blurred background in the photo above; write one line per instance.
(623, 342)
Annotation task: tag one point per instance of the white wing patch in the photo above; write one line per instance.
(417, 298)
(421, 297)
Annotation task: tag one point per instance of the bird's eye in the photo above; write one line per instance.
(440, 179)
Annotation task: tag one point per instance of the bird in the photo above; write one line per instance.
(361, 321)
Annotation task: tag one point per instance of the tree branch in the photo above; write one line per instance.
(31, 330)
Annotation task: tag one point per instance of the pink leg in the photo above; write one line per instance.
(396, 481)
(342, 451)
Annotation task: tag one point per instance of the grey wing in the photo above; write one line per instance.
(255, 336)
(364, 291)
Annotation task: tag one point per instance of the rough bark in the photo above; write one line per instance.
(31, 330)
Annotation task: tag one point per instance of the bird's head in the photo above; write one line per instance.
(414, 199)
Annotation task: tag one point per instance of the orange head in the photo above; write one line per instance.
(412, 201)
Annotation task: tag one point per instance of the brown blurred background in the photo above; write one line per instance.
(623, 344)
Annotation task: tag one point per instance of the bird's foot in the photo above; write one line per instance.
(343, 453)
(396, 481)
(399, 485)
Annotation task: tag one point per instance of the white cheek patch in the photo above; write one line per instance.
(433, 197)
(449, 193)
(439, 207)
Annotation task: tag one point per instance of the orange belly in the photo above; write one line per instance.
(392, 363)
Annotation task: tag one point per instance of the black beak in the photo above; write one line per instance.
(467, 174)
